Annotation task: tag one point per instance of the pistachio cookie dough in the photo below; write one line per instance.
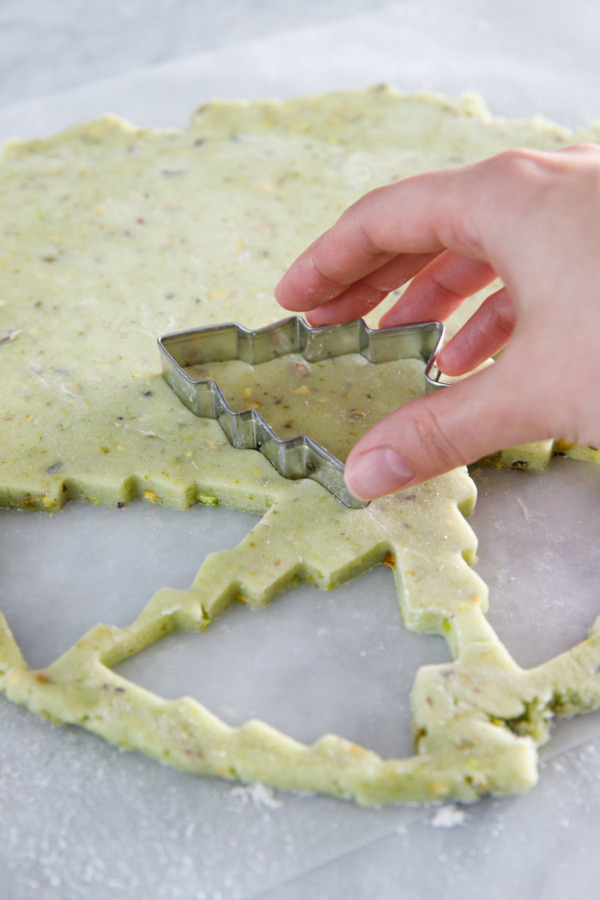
(335, 400)
(113, 235)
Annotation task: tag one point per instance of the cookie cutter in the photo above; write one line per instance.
(300, 456)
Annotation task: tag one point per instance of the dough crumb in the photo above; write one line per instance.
(449, 816)
(261, 795)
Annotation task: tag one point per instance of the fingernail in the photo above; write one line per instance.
(377, 472)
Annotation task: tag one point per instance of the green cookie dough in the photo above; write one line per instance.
(335, 400)
(112, 235)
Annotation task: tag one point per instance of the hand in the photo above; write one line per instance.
(530, 218)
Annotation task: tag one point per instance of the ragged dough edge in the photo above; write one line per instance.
(460, 754)
(466, 745)
(477, 719)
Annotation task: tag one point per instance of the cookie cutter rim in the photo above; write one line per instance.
(300, 456)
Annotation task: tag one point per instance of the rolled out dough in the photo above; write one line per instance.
(112, 235)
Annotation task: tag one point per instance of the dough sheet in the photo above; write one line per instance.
(112, 235)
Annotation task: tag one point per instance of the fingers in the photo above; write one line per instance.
(364, 295)
(458, 209)
(439, 289)
(487, 332)
(420, 215)
(530, 217)
(437, 432)
(326, 269)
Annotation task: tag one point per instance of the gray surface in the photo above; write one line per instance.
(81, 819)
(49, 45)
(528, 58)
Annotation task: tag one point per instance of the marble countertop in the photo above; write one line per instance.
(78, 818)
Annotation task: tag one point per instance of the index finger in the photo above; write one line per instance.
(416, 216)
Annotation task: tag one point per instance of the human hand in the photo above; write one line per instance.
(531, 218)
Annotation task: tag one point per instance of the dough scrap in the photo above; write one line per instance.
(112, 235)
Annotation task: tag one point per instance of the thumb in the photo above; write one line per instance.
(439, 431)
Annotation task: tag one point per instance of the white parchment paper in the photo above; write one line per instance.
(79, 818)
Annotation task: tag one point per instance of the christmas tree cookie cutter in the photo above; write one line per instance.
(300, 456)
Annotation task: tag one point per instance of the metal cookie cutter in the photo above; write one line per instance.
(300, 456)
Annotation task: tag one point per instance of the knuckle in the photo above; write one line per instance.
(532, 169)
(536, 177)
(517, 159)
(505, 322)
(584, 147)
(365, 226)
(470, 340)
(502, 313)
(442, 290)
(330, 284)
(541, 165)
(432, 442)
(369, 242)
